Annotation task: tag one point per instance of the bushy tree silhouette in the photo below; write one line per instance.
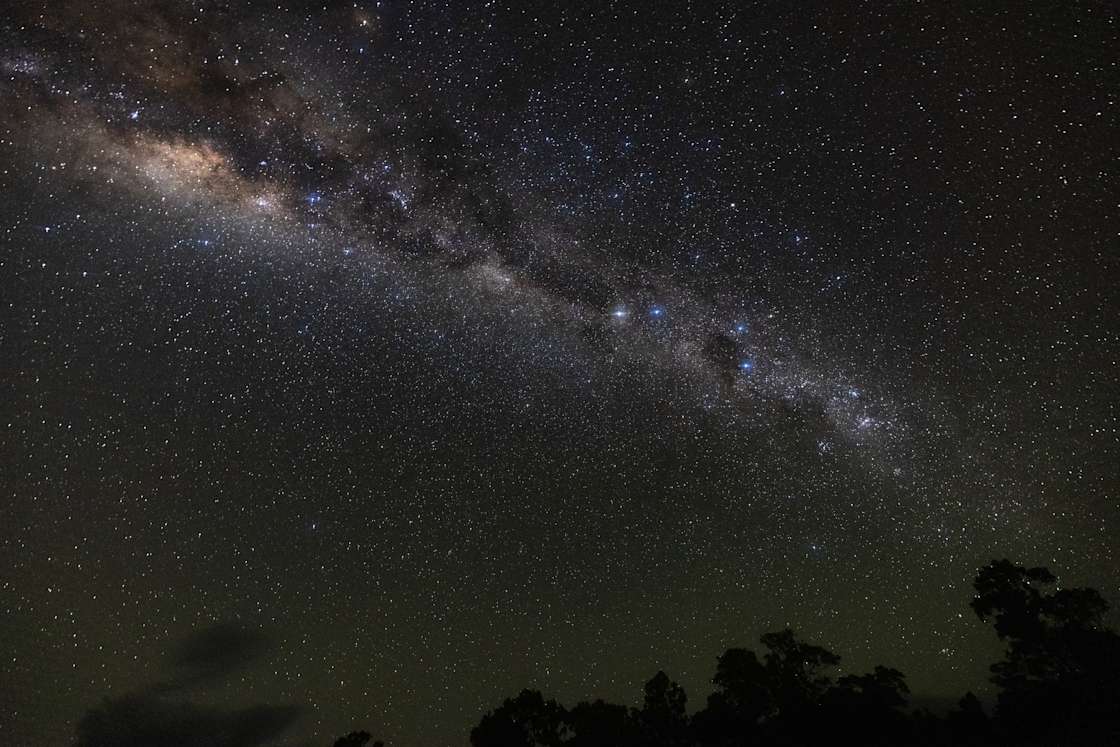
(867, 708)
(1060, 676)
(525, 721)
(663, 719)
(796, 671)
(741, 702)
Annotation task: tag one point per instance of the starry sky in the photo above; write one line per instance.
(470, 346)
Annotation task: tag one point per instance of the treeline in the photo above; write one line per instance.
(1058, 684)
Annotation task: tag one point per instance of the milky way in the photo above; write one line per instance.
(469, 348)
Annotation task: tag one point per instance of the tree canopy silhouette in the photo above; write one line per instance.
(1060, 676)
(1058, 684)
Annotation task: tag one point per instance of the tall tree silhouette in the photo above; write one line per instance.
(1060, 676)
(777, 697)
(796, 670)
(740, 703)
(663, 719)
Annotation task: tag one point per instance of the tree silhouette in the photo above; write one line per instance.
(1058, 684)
(885, 689)
(968, 725)
(1060, 676)
(867, 708)
(741, 701)
(525, 721)
(796, 671)
(663, 719)
(601, 724)
(766, 697)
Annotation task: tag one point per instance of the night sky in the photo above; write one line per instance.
(465, 347)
